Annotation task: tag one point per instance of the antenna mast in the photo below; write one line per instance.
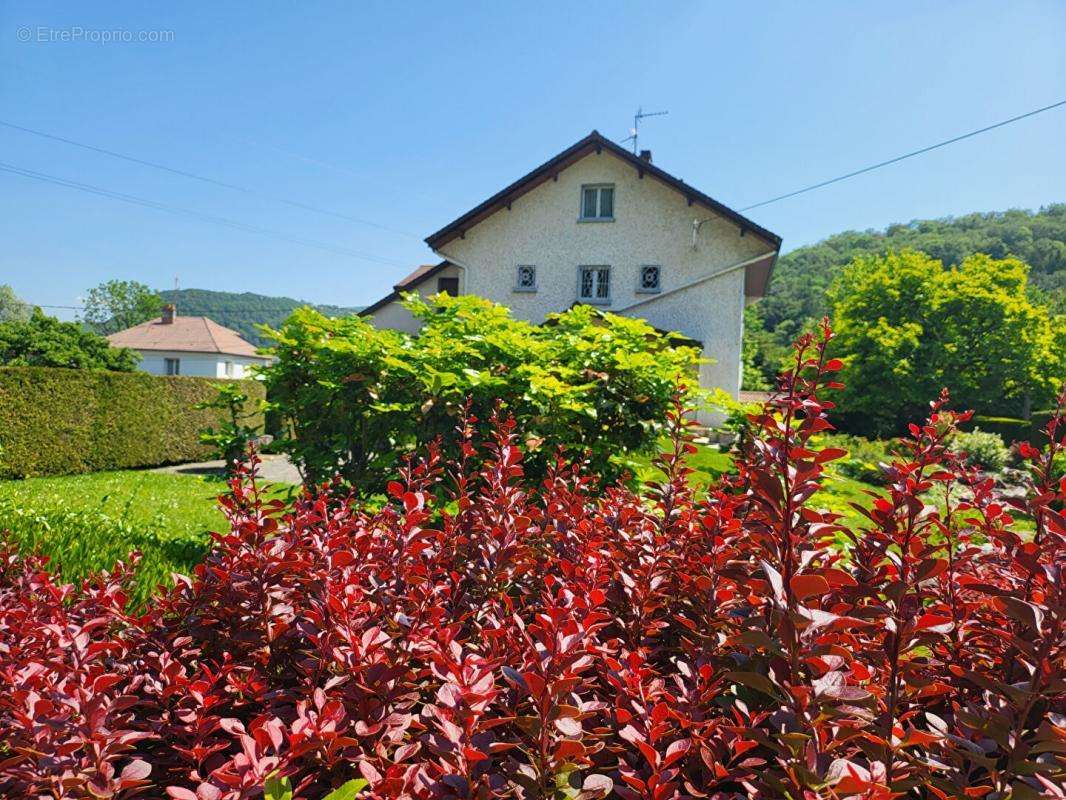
(635, 130)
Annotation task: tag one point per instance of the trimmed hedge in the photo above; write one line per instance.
(61, 421)
(1013, 429)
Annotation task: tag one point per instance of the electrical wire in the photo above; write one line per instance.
(223, 221)
(897, 159)
(205, 179)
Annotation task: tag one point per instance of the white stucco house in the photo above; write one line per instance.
(196, 346)
(597, 224)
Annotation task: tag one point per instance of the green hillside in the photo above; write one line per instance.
(244, 310)
(798, 291)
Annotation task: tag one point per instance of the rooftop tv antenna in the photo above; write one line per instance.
(635, 130)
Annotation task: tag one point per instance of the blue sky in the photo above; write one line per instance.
(407, 114)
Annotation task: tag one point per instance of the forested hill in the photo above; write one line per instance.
(243, 311)
(797, 292)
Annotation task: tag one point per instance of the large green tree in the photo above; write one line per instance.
(117, 305)
(44, 341)
(798, 292)
(12, 307)
(907, 326)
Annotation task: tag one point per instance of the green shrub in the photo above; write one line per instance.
(43, 341)
(357, 398)
(982, 449)
(1009, 429)
(64, 421)
(864, 459)
(242, 422)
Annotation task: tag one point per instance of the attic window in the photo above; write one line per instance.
(448, 286)
(597, 202)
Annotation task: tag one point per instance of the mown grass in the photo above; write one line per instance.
(709, 463)
(85, 523)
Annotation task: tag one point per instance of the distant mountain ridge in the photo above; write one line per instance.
(242, 311)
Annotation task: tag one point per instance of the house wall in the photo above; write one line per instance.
(652, 225)
(201, 365)
(396, 316)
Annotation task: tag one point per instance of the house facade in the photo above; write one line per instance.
(193, 346)
(599, 225)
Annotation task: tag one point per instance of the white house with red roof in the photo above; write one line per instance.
(196, 346)
(597, 224)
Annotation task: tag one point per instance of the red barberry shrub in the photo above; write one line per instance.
(477, 638)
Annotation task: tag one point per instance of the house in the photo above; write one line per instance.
(198, 346)
(597, 224)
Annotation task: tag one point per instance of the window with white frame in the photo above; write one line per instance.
(172, 366)
(229, 369)
(525, 278)
(650, 278)
(597, 201)
(594, 284)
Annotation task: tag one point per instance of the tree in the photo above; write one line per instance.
(761, 357)
(44, 341)
(907, 326)
(12, 307)
(798, 293)
(117, 305)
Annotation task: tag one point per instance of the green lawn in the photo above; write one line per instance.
(88, 522)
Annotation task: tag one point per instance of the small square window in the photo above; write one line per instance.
(650, 277)
(594, 284)
(449, 286)
(525, 279)
(597, 202)
(172, 366)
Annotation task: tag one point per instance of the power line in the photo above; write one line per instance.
(307, 159)
(205, 179)
(897, 159)
(171, 209)
(232, 312)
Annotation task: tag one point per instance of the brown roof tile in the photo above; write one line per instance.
(185, 334)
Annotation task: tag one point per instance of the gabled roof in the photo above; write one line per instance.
(184, 334)
(594, 142)
(413, 280)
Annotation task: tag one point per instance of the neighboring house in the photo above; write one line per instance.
(599, 225)
(173, 345)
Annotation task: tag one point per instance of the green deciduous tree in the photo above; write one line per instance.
(117, 305)
(907, 326)
(12, 307)
(358, 398)
(44, 341)
(798, 292)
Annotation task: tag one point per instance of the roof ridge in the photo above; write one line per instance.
(211, 333)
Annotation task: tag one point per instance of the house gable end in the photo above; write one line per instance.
(550, 170)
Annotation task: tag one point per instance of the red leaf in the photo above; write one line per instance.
(933, 622)
(804, 586)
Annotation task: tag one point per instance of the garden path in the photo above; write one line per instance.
(272, 469)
